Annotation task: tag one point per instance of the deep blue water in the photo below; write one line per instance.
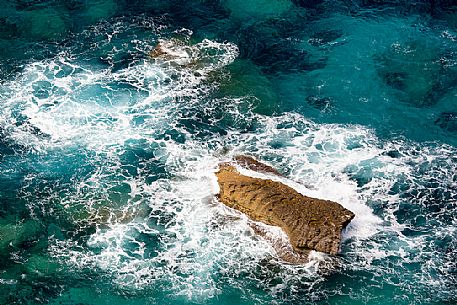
(107, 156)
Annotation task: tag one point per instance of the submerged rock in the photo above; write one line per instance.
(433, 7)
(309, 4)
(416, 72)
(324, 37)
(96, 10)
(447, 121)
(321, 103)
(310, 223)
(286, 57)
(256, 9)
(247, 79)
(276, 45)
(202, 57)
(46, 23)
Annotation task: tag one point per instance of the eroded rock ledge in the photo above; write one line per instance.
(310, 223)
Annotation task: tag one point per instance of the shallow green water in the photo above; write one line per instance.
(107, 155)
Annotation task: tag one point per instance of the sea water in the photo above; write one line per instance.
(107, 155)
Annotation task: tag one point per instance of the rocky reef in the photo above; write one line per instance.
(310, 223)
(418, 72)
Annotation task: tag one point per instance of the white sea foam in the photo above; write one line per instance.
(86, 106)
(204, 235)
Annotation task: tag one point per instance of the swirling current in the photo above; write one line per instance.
(108, 152)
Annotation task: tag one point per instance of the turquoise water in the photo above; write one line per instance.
(107, 156)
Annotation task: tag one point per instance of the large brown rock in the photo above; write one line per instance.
(310, 223)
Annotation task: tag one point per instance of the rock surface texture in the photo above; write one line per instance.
(254, 165)
(310, 223)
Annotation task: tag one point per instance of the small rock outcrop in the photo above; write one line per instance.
(310, 223)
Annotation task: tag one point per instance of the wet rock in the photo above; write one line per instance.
(394, 154)
(252, 164)
(280, 244)
(202, 57)
(176, 50)
(310, 223)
